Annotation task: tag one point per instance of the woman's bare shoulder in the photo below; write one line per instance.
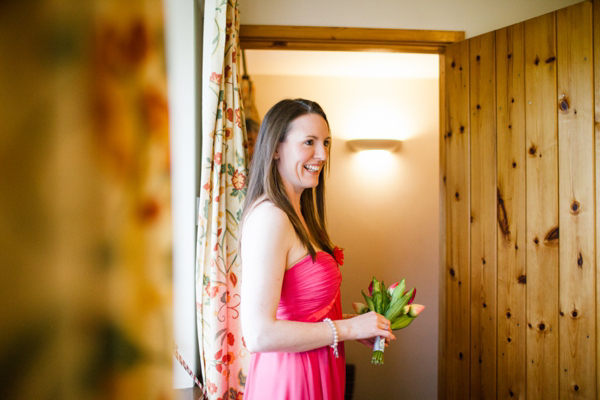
(266, 217)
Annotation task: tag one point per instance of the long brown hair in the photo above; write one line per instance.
(264, 178)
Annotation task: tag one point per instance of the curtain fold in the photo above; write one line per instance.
(85, 281)
(223, 356)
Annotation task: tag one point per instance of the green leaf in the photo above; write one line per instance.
(369, 301)
(230, 169)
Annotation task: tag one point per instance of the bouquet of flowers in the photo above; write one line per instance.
(394, 303)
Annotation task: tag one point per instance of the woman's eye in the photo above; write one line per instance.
(327, 143)
(309, 142)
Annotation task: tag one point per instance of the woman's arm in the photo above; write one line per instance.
(267, 237)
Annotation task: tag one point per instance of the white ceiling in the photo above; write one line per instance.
(342, 64)
(474, 17)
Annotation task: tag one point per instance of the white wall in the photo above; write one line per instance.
(383, 210)
(181, 73)
(472, 16)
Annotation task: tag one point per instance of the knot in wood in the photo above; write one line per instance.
(575, 207)
(532, 150)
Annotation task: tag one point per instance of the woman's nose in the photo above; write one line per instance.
(321, 152)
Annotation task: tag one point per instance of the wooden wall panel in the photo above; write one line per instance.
(577, 308)
(511, 212)
(542, 208)
(596, 25)
(483, 216)
(443, 244)
(456, 274)
(521, 158)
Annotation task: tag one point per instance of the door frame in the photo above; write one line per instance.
(315, 38)
(279, 37)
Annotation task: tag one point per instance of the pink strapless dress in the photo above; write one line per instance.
(310, 293)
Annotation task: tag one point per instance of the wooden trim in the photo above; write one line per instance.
(278, 37)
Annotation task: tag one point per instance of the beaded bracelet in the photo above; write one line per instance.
(334, 346)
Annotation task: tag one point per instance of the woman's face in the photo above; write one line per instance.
(302, 155)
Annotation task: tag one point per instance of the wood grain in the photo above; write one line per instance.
(596, 24)
(457, 272)
(511, 212)
(346, 39)
(483, 216)
(542, 208)
(443, 224)
(576, 202)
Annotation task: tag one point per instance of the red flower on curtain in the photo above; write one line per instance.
(216, 78)
(238, 117)
(230, 338)
(238, 180)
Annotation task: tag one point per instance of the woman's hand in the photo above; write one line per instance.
(366, 327)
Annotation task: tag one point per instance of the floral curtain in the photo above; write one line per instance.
(223, 355)
(85, 199)
(248, 94)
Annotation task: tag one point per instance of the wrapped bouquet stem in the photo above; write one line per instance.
(394, 303)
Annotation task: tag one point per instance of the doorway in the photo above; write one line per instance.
(383, 208)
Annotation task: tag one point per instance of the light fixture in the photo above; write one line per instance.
(390, 145)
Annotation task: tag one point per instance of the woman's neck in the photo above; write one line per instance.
(294, 197)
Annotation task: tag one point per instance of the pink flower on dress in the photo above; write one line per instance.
(338, 254)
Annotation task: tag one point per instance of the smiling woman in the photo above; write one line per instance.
(291, 305)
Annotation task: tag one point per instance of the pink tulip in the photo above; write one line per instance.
(371, 289)
(415, 309)
(360, 308)
(391, 288)
(413, 296)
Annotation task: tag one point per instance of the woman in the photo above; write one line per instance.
(291, 309)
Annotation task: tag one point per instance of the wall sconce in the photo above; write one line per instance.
(390, 145)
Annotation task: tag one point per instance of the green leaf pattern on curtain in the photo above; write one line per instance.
(224, 357)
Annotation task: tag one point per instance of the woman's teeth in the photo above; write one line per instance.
(312, 168)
